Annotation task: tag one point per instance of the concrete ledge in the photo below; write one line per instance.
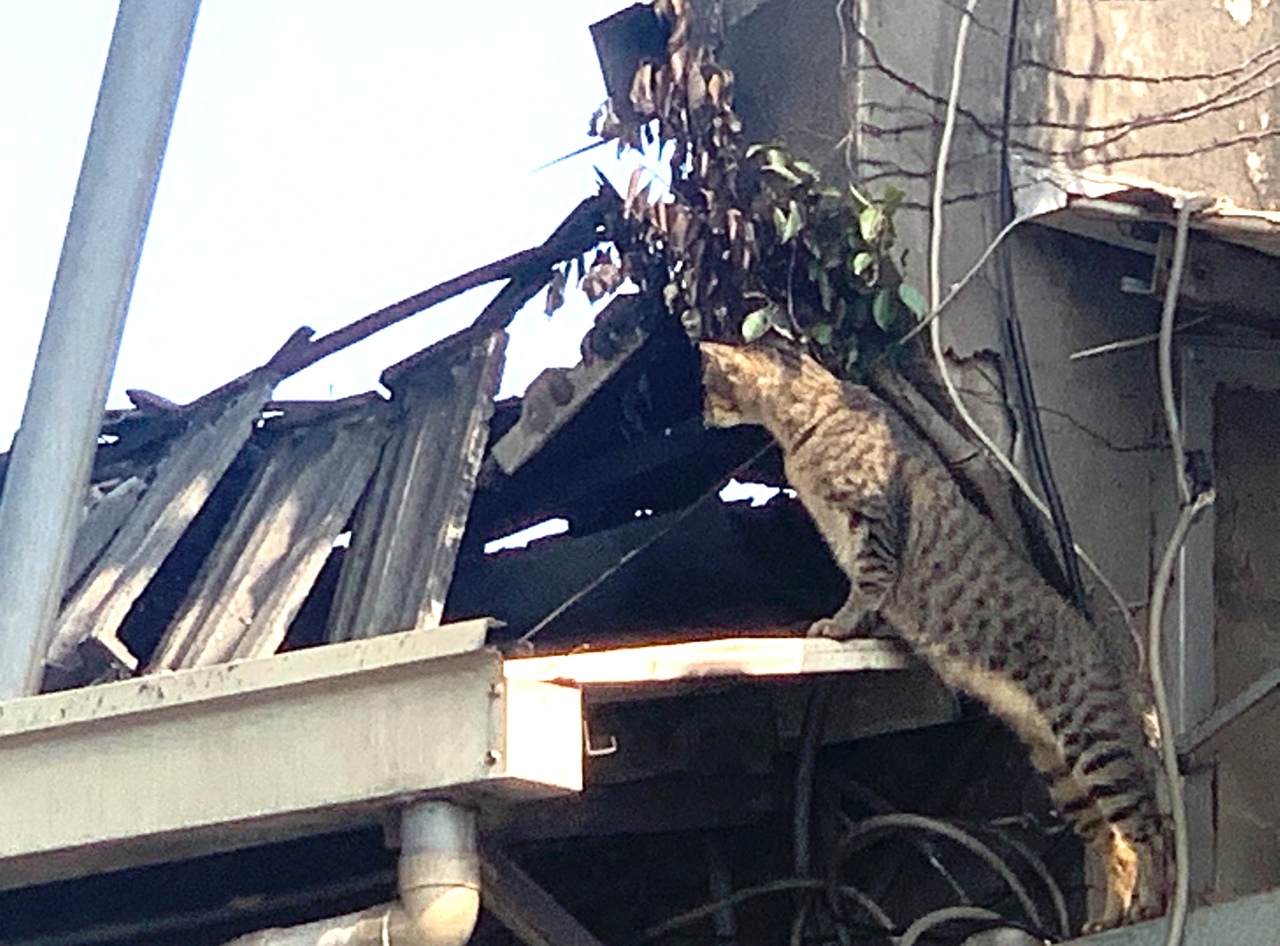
(1249, 921)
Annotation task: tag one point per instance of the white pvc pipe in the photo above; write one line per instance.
(439, 872)
(385, 925)
(439, 881)
(48, 474)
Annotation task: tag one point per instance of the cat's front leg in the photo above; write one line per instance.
(870, 561)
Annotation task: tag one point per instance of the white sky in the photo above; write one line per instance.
(327, 158)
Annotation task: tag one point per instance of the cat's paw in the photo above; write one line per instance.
(830, 627)
(869, 625)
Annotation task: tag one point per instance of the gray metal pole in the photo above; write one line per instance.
(48, 475)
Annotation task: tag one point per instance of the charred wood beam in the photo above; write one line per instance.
(184, 479)
(663, 471)
(524, 907)
(689, 802)
(267, 558)
(577, 234)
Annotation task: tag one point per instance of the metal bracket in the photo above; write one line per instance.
(594, 752)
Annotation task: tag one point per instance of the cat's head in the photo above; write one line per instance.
(732, 383)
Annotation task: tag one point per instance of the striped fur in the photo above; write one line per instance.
(923, 560)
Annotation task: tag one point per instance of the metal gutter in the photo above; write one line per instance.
(1102, 205)
(44, 492)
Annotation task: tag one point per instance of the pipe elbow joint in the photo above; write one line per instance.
(439, 872)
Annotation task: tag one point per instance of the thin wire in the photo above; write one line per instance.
(935, 281)
(1168, 752)
(846, 785)
(944, 153)
(874, 910)
(1166, 347)
(1021, 482)
(1041, 871)
(1011, 330)
(1190, 507)
(944, 915)
(621, 563)
(1137, 341)
(956, 288)
(806, 762)
(802, 813)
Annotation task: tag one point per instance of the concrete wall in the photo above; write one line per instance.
(1207, 127)
(835, 81)
(1247, 628)
(856, 87)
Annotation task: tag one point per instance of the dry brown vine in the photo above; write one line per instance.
(747, 238)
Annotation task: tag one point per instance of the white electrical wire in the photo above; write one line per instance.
(1168, 752)
(1165, 349)
(935, 309)
(944, 153)
(936, 304)
(944, 915)
(953, 394)
(1190, 507)
(864, 830)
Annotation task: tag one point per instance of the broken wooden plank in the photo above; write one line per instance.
(405, 540)
(558, 394)
(103, 518)
(260, 571)
(183, 481)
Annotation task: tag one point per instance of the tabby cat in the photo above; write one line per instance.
(921, 559)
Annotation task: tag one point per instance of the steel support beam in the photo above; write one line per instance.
(195, 761)
(44, 492)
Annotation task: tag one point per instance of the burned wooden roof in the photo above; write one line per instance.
(238, 526)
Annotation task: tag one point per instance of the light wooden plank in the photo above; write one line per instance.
(727, 657)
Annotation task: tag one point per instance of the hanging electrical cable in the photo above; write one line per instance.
(1190, 506)
(873, 909)
(946, 915)
(1015, 347)
(815, 716)
(1041, 871)
(871, 829)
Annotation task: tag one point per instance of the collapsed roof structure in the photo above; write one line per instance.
(282, 623)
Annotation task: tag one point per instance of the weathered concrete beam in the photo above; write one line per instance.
(1249, 921)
